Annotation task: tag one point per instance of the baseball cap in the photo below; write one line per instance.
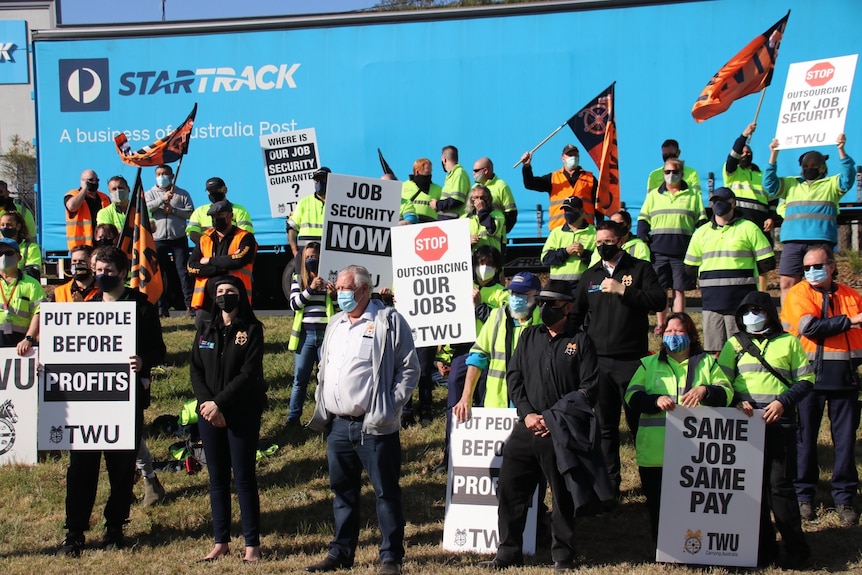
(215, 183)
(724, 194)
(557, 290)
(10, 243)
(321, 173)
(220, 206)
(573, 203)
(523, 282)
(569, 149)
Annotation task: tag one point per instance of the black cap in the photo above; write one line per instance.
(570, 148)
(220, 206)
(321, 174)
(722, 194)
(573, 203)
(556, 290)
(215, 184)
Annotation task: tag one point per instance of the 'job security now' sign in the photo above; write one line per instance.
(87, 387)
(710, 492)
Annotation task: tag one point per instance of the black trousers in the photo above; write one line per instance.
(614, 377)
(779, 496)
(651, 486)
(527, 458)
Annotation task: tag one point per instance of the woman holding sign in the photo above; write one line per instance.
(227, 377)
(681, 373)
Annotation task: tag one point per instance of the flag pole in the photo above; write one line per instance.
(129, 207)
(757, 112)
(542, 143)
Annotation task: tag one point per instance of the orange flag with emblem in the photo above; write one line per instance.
(163, 151)
(136, 240)
(748, 72)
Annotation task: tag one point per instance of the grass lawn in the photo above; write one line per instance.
(296, 502)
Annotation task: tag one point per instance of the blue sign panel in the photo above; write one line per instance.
(14, 64)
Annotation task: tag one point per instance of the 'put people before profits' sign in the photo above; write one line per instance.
(471, 489)
(710, 492)
(290, 160)
(433, 281)
(816, 98)
(87, 389)
(358, 221)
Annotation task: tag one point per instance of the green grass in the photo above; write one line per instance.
(296, 502)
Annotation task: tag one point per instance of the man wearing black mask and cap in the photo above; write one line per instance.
(615, 297)
(222, 249)
(200, 218)
(305, 224)
(727, 274)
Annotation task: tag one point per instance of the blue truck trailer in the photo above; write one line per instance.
(492, 80)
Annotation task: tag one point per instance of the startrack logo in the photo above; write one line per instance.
(84, 85)
(202, 80)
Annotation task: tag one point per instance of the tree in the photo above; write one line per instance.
(18, 168)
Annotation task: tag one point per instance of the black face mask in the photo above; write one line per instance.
(227, 302)
(721, 208)
(444, 167)
(422, 182)
(608, 251)
(215, 197)
(91, 187)
(311, 265)
(107, 283)
(745, 162)
(104, 242)
(811, 174)
(320, 188)
(82, 272)
(9, 233)
(220, 224)
(571, 217)
(552, 315)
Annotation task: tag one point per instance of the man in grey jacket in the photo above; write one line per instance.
(368, 370)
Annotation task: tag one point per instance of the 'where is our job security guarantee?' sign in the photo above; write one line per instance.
(87, 387)
(711, 487)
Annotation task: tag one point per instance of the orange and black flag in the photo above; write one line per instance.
(748, 72)
(163, 151)
(136, 240)
(595, 127)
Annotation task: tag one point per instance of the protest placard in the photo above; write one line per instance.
(18, 406)
(290, 160)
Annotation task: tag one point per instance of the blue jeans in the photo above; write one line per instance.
(306, 355)
(349, 451)
(234, 446)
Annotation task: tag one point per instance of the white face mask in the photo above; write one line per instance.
(754, 322)
(484, 273)
(7, 262)
(572, 162)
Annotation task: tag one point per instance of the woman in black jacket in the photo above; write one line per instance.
(227, 377)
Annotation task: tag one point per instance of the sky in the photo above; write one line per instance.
(114, 11)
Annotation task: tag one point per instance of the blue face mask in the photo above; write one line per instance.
(163, 181)
(518, 305)
(311, 264)
(754, 322)
(816, 277)
(346, 301)
(676, 342)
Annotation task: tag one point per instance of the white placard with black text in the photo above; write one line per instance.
(475, 456)
(433, 281)
(360, 213)
(18, 406)
(710, 492)
(290, 160)
(815, 102)
(87, 389)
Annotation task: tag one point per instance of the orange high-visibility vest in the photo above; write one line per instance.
(63, 293)
(79, 229)
(562, 189)
(244, 273)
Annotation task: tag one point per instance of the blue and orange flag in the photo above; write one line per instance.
(748, 72)
(595, 128)
(165, 150)
(136, 240)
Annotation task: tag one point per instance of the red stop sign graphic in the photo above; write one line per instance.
(819, 74)
(431, 243)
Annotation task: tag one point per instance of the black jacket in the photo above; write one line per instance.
(619, 326)
(227, 366)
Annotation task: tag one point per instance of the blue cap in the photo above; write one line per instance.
(524, 282)
(11, 243)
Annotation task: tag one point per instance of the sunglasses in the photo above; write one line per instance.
(755, 309)
(813, 267)
(671, 171)
(477, 170)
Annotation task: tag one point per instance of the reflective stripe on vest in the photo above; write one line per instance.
(244, 273)
(562, 189)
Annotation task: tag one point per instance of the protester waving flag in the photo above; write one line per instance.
(164, 151)
(136, 240)
(595, 127)
(748, 72)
